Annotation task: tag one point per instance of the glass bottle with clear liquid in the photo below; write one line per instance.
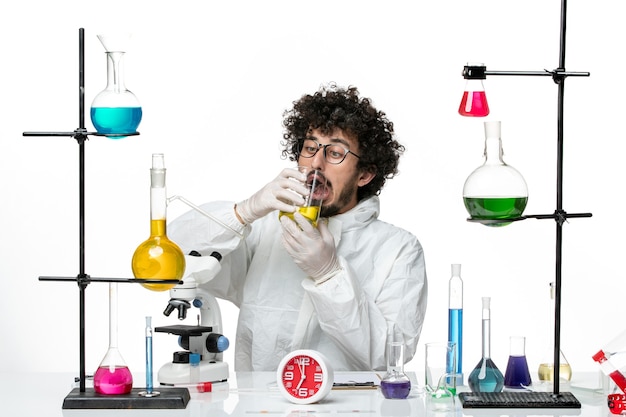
(158, 257)
(112, 376)
(395, 384)
(486, 377)
(115, 111)
(495, 191)
(455, 318)
(546, 366)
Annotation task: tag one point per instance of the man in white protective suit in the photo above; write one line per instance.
(336, 288)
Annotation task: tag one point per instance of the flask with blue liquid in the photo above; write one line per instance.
(486, 377)
(115, 111)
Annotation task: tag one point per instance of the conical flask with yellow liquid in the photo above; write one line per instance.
(158, 257)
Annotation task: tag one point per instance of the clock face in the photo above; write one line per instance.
(304, 377)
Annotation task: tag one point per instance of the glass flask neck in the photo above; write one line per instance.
(395, 352)
(115, 71)
(493, 151)
(486, 331)
(517, 346)
(395, 360)
(158, 197)
(455, 288)
(113, 315)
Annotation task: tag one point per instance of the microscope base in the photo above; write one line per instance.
(179, 373)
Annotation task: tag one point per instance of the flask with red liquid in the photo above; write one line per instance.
(112, 376)
(474, 100)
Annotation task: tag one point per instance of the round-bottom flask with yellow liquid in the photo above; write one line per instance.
(158, 257)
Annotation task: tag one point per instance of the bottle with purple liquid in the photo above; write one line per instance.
(517, 375)
(395, 384)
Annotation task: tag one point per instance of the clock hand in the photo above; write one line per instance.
(302, 374)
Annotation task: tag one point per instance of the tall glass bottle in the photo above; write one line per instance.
(486, 377)
(495, 191)
(112, 376)
(115, 111)
(158, 257)
(455, 318)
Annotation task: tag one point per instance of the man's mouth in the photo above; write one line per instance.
(321, 186)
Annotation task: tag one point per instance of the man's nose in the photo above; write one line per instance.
(318, 159)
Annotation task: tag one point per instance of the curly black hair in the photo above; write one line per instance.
(333, 108)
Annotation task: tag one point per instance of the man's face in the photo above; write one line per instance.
(342, 180)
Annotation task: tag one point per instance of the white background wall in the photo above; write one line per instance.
(213, 79)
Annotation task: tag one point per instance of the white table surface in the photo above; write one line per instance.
(255, 394)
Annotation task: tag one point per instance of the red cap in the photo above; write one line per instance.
(204, 387)
(599, 357)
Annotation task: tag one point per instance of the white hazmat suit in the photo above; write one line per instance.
(382, 282)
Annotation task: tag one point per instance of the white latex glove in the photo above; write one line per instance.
(312, 249)
(283, 193)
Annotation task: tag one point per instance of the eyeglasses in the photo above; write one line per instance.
(333, 153)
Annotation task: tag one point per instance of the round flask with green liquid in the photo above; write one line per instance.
(495, 194)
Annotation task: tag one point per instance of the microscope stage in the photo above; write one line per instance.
(184, 330)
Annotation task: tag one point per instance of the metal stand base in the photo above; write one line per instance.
(169, 398)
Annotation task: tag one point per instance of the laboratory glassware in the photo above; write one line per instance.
(455, 317)
(612, 360)
(395, 384)
(495, 192)
(546, 369)
(486, 377)
(113, 376)
(312, 206)
(517, 375)
(158, 257)
(149, 392)
(474, 100)
(546, 365)
(115, 111)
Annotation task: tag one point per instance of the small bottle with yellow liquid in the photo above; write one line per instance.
(158, 257)
(546, 365)
(316, 183)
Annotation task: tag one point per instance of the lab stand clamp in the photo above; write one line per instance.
(81, 397)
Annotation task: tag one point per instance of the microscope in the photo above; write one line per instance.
(201, 359)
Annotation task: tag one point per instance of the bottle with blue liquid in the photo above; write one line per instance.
(455, 318)
(115, 111)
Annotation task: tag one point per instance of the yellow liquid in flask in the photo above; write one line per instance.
(311, 213)
(158, 258)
